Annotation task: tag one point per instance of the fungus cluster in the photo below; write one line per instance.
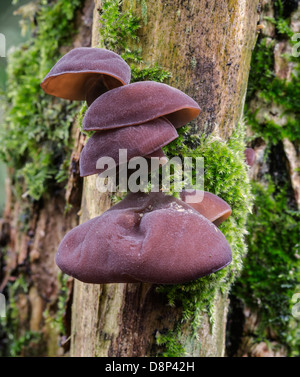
(151, 238)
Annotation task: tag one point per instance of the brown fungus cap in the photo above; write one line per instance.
(159, 153)
(139, 103)
(86, 73)
(145, 238)
(145, 140)
(250, 156)
(209, 205)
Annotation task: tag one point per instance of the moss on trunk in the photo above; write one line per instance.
(207, 48)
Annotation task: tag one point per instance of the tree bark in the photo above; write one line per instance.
(207, 46)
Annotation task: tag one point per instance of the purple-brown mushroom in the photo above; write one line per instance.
(159, 153)
(145, 238)
(250, 156)
(139, 103)
(209, 205)
(142, 140)
(86, 73)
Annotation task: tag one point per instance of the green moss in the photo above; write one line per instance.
(170, 341)
(226, 175)
(118, 27)
(35, 135)
(14, 340)
(119, 32)
(272, 270)
(272, 90)
(56, 320)
(271, 273)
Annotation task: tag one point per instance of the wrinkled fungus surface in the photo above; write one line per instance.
(139, 103)
(86, 73)
(142, 140)
(145, 238)
(209, 205)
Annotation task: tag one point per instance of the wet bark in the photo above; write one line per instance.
(207, 46)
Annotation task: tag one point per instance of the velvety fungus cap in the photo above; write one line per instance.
(86, 73)
(145, 140)
(209, 205)
(139, 103)
(145, 238)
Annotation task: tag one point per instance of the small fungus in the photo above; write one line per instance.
(151, 238)
(85, 74)
(139, 103)
(142, 140)
(250, 156)
(209, 205)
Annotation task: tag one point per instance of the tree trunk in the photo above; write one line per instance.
(207, 46)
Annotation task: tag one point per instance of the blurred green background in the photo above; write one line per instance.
(10, 27)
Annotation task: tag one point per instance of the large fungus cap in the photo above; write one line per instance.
(145, 238)
(85, 73)
(209, 205)
(139, 103)
(142, 140)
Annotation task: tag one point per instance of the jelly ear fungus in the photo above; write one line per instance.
(250, 156)
(152, 238)
(145, 140)
(209, 205)
(145, 238)
(139, 103)
(85, 74)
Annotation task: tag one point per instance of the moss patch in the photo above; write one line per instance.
(271, 272)
(226, 175)
(15, 341)
(272, 269)
(35, 135)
